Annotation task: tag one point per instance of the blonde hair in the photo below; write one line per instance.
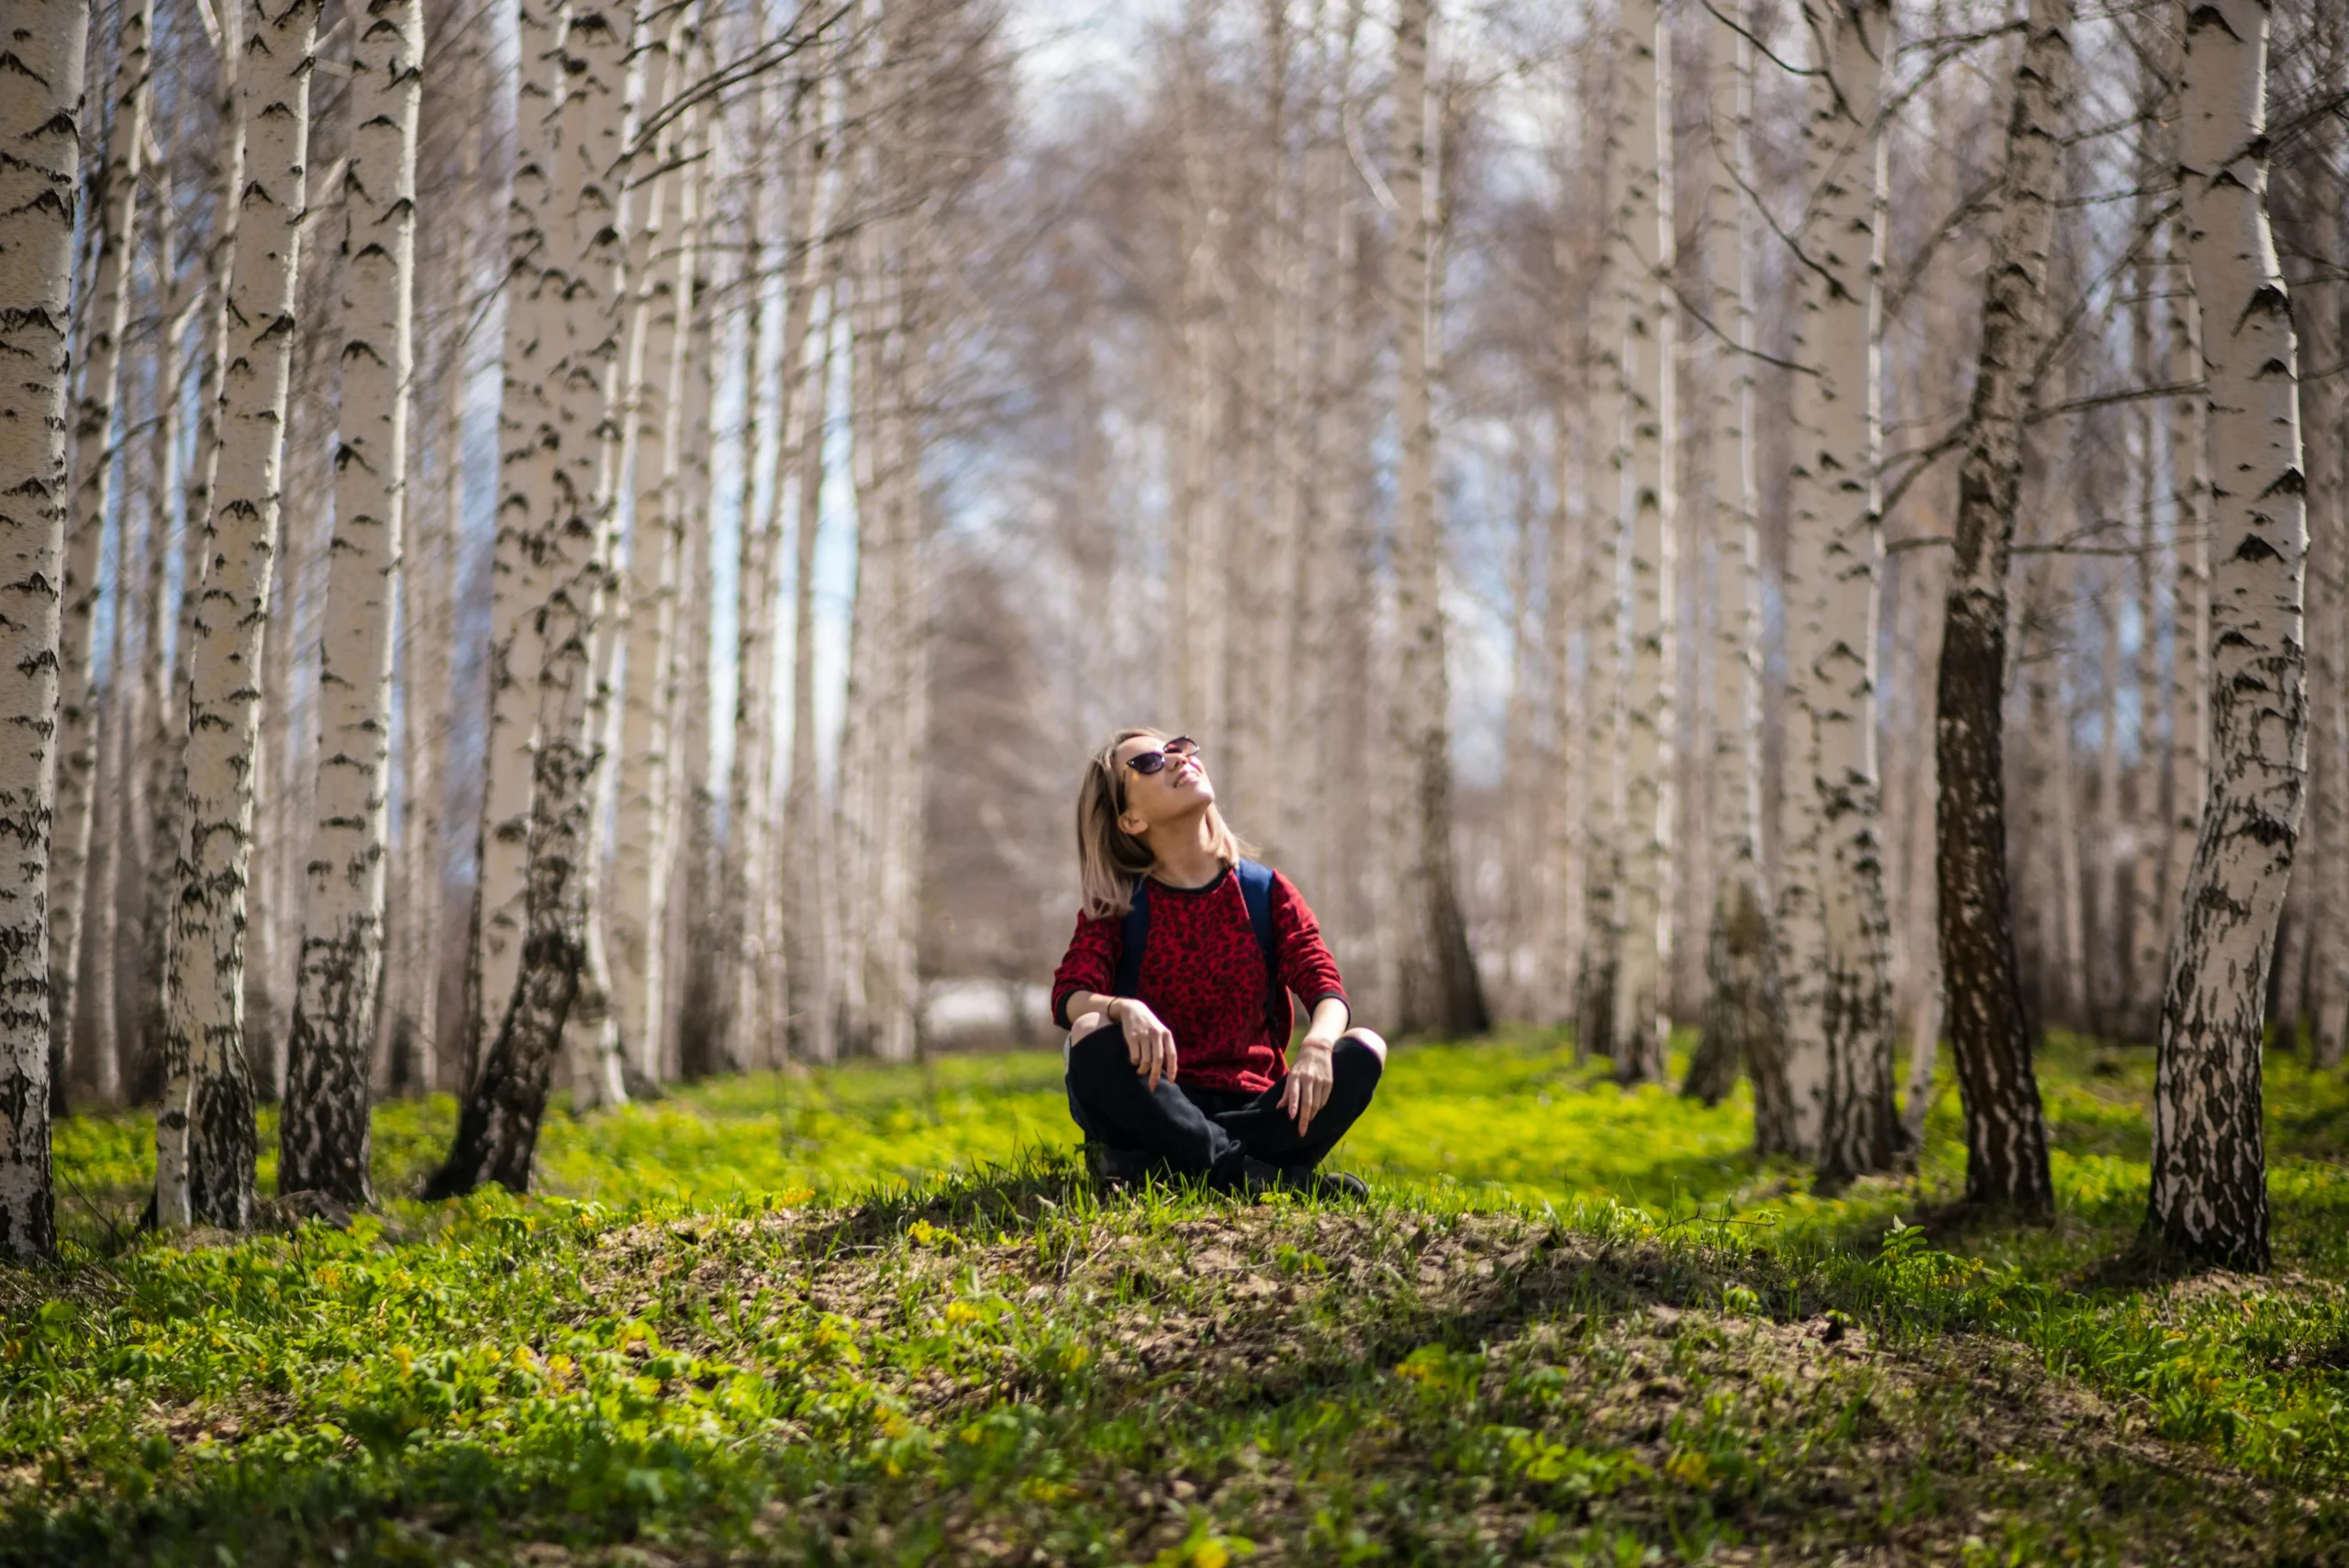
(1111, 862)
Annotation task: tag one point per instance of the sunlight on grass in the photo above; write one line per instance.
(794, 1290)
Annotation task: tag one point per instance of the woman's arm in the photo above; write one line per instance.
(1149, 1044)
(1330, 1017)
(1306, 1089)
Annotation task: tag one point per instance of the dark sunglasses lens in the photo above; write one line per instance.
(1148, 762)
(1182, 746)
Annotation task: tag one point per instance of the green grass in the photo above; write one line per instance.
(876, 1315)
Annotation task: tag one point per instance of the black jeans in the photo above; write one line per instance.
(1195, 1132)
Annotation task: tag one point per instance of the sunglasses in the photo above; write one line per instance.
(1174, 751)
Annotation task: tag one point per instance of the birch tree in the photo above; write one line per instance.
(807, 958)
(527, 443)
(324, 1132)
(1603, 739)
(498, 1130)
(206, 1142)
(661, 246)
(105, 314)
(1847, 1064)
(1439, 988)
(757, 540)
(42, 45)
(1745, 1014)
(2189, 673)
(2209, 1198)
(2006, 1137)
(1642, 1032)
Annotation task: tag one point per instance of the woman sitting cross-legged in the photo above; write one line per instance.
(1175, 990)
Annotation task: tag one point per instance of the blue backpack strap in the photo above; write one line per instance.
(1256, 889)
(1134, 936)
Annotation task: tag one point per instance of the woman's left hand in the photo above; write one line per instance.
(1306, 1089)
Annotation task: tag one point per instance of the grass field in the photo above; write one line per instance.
(878, 1316)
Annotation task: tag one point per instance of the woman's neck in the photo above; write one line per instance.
(1185, 853)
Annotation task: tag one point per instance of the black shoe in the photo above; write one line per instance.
(1329, 1186)
(1255, 1176)
(1116, 1167)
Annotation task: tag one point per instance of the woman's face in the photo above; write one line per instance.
(1179, 789)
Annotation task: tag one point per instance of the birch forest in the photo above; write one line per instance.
(555, 550)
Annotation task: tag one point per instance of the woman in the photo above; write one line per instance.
(1175, 990)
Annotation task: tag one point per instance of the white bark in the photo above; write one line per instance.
(324, 1143)
(805, 859)
(2189, 680)
(106, 313)
(2330, 1026)
(1438, 988)
(774, 885)
(1605, 506)
(1644, 246)
(2209, 1187)
(1196, 609)
(427, 591)
(527, 447)
(41, 44)
(662, 248)
(1744, 1023)
(1835, 419)
(579, 650)
(498, 1130)
(2148, 924)
(205, 1135)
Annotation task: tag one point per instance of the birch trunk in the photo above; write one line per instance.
(1643, 1030)
(1837, 434)
(1745, 1011)
(498, 1130)
(888, 669)
(2189, 678)
(105, 314)
(1439, 990)
(1197, 610)
(2147, 926)
(1567, 801)
(758, 986)
(324, 1133)
(856, 819)
(206, 1142)
(1603, 741)
(40, 154)
(2330, 1039)
(662, 247)
(1275, 683)
(2210, 1179)
(753, 598)
(696, 866)
(1989, 1032)
(428, 612)
(807, 967)
(527, 447)
(162, 728)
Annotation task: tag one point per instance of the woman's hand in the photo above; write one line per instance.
(1149, 1044)
(1306, 1089)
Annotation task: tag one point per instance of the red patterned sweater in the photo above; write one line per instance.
(1203, 974)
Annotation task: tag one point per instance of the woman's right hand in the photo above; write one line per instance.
(1149, 1044)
